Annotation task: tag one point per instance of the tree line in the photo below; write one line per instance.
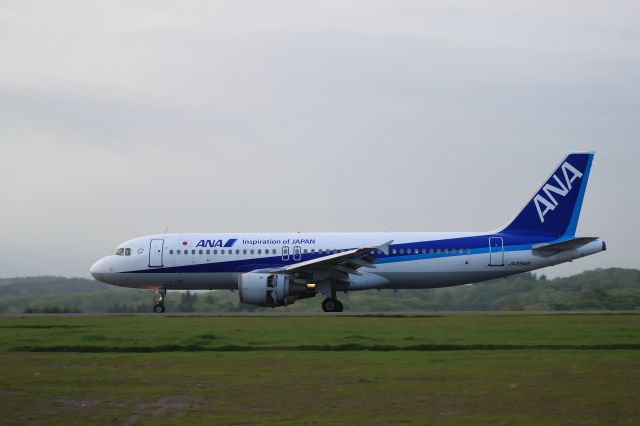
(601, 289)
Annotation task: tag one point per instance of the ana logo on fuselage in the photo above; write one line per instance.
(216, 243)
(546, 204)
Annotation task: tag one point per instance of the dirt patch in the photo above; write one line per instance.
(159, 407)
(77, 403)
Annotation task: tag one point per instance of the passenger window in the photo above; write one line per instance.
(215, 252)
(446, 251)
(259, 251)
(193, 252)
(127, 252)
(251, 251)
(393, 251)
(221, 251)
(237, 251)
(208, 251)
(453, 251)
(424, 251)
(178, 252)
(438, 251)
(170, 251)
(200, 252)
(244, 251)
(401, 251)
(186, 252)
(273, 251)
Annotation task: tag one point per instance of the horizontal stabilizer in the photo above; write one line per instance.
(549, 249)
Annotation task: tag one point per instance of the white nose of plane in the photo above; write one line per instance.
(99, 270)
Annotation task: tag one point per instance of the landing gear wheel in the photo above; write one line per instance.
(161, 294)
(332, 305)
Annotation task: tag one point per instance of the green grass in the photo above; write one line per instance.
(182, 370)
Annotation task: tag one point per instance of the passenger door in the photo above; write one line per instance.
(156, 248)
(496, 251)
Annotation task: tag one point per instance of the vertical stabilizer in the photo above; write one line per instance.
(555, 207)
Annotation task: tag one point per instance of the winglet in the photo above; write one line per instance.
(384, 247)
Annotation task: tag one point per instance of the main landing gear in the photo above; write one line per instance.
(161, 294)
(331, 304)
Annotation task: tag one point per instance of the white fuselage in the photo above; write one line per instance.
(414, 260)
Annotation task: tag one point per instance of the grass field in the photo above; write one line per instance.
(493, 369)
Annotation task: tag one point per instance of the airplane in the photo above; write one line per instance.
(276, 269)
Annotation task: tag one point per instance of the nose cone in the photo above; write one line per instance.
(99, 270)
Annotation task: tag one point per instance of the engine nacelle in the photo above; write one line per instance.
(270, 289)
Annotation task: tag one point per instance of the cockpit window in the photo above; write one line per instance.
(122, 251)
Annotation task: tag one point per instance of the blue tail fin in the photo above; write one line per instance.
(555, 207)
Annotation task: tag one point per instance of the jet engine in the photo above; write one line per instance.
(271, 289)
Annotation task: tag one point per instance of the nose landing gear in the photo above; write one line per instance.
(161, 294)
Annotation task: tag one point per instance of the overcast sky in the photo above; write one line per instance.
(120, 119)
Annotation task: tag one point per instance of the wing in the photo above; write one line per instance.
(335, 266)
